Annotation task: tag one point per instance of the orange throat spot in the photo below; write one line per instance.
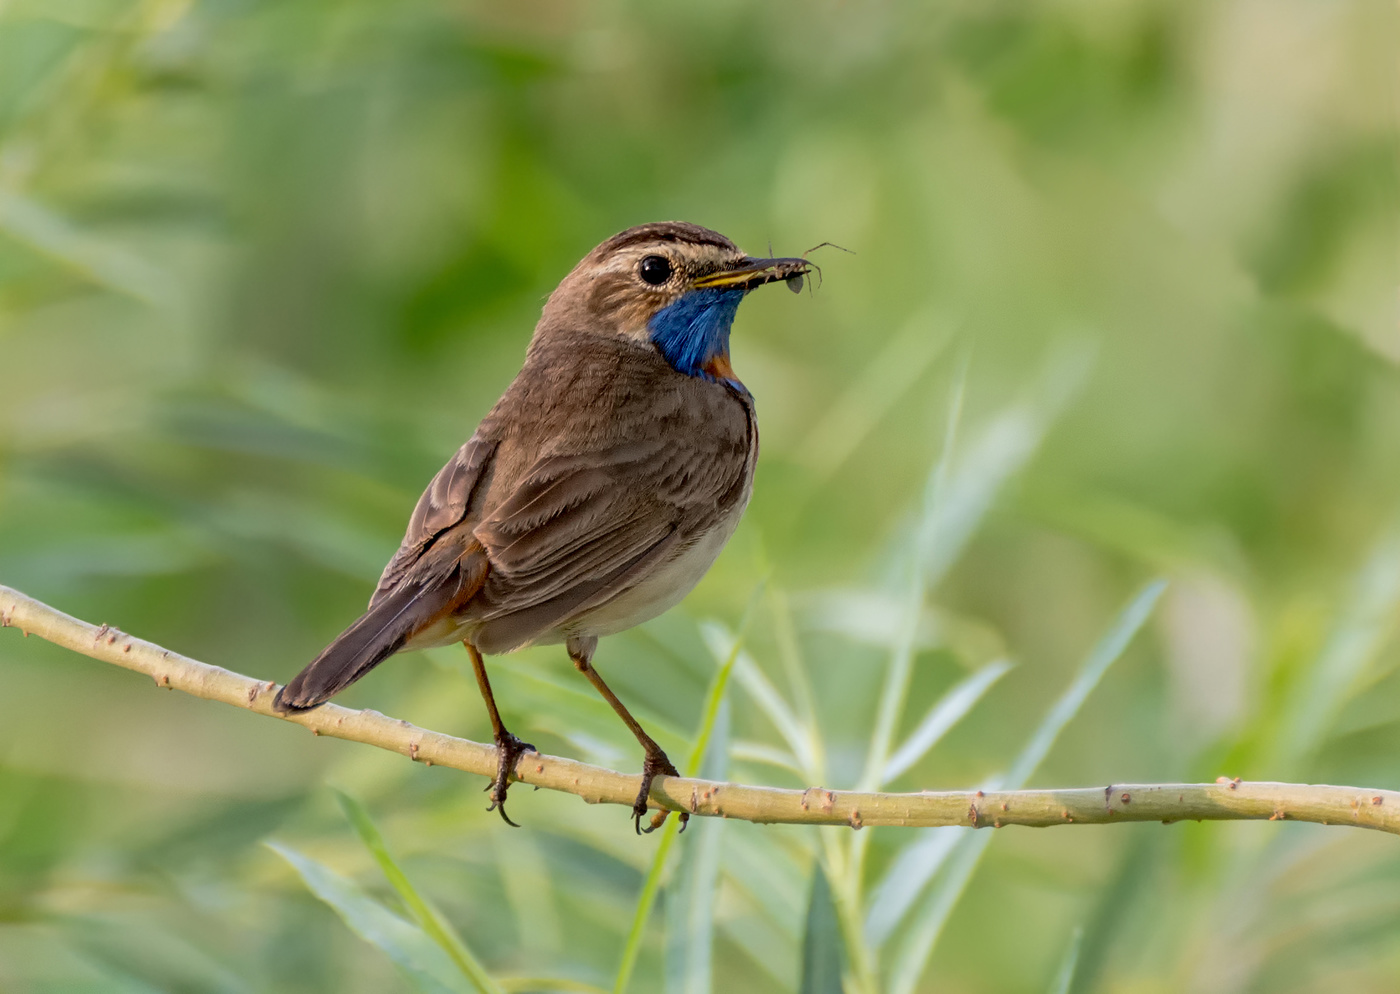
(719, 368)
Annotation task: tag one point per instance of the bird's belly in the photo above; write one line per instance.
(658, 591)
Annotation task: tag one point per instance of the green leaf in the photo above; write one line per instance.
(1064, 976)
(429, 919)
(964, 487)
(927, 926)
(548, 985)
(897, 677)
(769, 700)
(412, 951)
(822, 948)
(99, 262)
(1362, 631)
(1104, 655)
(709, 716)
(874, 392)
(946, 712)
(909, 872)
(690, 904)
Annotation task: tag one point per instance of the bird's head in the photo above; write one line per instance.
(671, 284)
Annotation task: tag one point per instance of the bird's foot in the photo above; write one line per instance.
(655, 763)
(508, 751)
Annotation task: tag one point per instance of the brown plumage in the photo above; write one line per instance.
(595, 493)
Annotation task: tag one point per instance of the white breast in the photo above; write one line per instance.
(661, 589)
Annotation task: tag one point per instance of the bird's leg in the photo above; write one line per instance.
(508, 747)
(656, 761)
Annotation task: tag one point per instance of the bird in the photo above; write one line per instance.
(596, 492)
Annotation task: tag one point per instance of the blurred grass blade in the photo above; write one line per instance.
(727, 660)
(912, 867)
(105, 265)
(773, 874)
(548, 985)
(1064, 976)
(709, 716)
(765, 695)
(409, 947)
(917, 946)
(690, 905)
(821, 941)
(790, 652)
(943, 715)
(429, 919)
(999, 451)
(528, 880)
(873, 392)
(1367, 623)
(867, 617)
(922, 935)
(1104, 655)
(760, 752)
(897, 677)
(962, 488)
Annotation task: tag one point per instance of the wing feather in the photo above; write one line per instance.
(443, 505)
(585, 477)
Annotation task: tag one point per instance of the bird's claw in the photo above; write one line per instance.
(653, 766)
(508, 751)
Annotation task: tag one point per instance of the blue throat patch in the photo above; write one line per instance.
(695, 329)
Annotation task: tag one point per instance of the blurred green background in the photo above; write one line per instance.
(1122, 306)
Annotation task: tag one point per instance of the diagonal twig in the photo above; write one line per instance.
(1221, 801)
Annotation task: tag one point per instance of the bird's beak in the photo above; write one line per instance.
(751, 273)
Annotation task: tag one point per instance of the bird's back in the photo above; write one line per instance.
(611, 484)
(601, 486)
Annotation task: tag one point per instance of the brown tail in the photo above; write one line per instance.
(378, 633)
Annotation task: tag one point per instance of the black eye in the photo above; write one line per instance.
(655, 269)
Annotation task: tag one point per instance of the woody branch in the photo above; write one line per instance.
(1225, 800)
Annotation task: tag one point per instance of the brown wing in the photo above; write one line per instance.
(438, 567)
(582, 528)
(597, 464)
(443, 505)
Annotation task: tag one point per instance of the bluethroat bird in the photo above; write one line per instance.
(595, 494)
